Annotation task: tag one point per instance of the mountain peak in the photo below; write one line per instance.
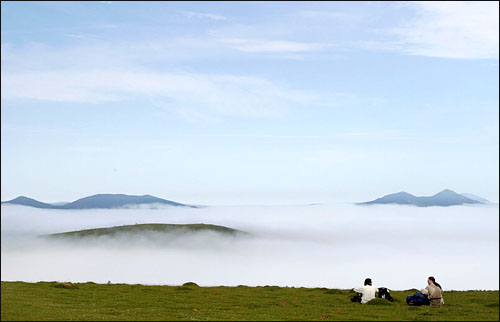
(103, 201)
(25, 201)
(402, 193)
(446, 191)
(20, 198)
(444, 198)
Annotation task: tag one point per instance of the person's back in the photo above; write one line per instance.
(434, 292)
(367, 291)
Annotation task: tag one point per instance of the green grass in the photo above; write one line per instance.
(142, 228)
(90, 301)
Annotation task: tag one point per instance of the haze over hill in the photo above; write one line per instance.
(444, 198)
(99, 201)
(310, 246)
(144, 229)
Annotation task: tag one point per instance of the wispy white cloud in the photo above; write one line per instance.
(104, 53)
(378, 135)
(88, 149)
(362, 135)
(263, 45)
(331, 15)
(107, 26)
(188, 93)
(264, 136)
(451, 29)
(94, 73)
(433, 28)
(82, 36)
(211, 16)
(322, 14)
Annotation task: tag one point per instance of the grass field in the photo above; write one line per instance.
(90, 301)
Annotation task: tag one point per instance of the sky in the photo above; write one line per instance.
(239, 103)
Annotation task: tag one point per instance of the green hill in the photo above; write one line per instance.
(148, 228)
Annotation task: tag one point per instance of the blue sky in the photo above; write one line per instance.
(249, 102)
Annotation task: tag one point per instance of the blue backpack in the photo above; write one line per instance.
(417, 299)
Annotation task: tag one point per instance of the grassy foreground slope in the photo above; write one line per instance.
(90, 301)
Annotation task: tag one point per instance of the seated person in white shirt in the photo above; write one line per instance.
(365, 293)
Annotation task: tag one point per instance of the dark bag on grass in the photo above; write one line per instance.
(356, 298)
(383, 293)
(417, 299)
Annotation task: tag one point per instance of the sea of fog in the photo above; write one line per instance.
(333, 246)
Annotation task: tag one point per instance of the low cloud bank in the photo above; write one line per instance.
(333, 246)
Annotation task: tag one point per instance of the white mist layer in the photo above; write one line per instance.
(334, 246)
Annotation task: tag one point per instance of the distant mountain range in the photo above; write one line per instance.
(444, 198)
(102, 201)
(108, 201)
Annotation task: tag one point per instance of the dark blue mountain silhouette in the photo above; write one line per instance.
(444, 198)
(25, 201)
(105, 201)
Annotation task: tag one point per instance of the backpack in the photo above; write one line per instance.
(383, 293)
(417, 299)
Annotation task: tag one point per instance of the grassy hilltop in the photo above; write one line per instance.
(145, 228)
(90, 301)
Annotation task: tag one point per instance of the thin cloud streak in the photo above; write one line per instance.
(375, 135)
(211, 16)
(457, 30)
(272, 46)
(82, 36)
(467, 29)
(218, 94)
